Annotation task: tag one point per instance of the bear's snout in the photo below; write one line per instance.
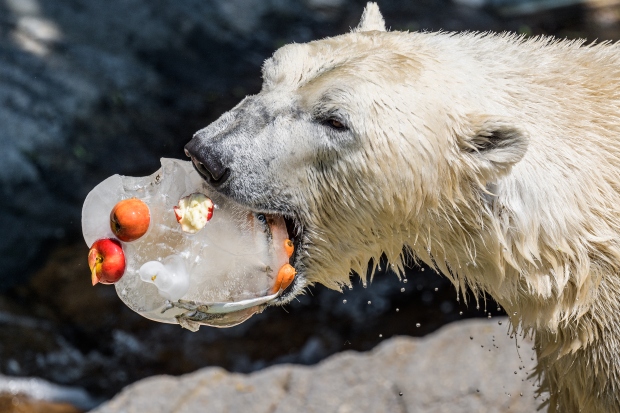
(207, 162)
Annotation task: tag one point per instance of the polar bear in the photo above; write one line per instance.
(493, 158)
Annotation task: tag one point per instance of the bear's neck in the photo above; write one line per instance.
(546, 281)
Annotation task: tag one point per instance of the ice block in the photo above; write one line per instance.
(181, 272)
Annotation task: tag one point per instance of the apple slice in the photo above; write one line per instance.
(130, 219)
(193, 212)
(106, 261)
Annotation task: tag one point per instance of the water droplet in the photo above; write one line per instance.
(380, 335)
(397, 310)
(436, 289)
(405, 281)
(515, 372)
(369, 302)
(489, 317)
(417, 324)
(499, 322)
(471, 337)
(402, 290)
(422, 269)
(400, 393)
(460, 313)
(344, 301)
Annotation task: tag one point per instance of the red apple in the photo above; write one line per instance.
(106, 261)
(130, 219)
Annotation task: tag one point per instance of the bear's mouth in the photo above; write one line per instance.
(294, 227)
(295, 233)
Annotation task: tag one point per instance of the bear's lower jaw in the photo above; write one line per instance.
(295, 233)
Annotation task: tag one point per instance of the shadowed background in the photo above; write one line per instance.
(91, 88)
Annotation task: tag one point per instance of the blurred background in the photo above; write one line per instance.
(91, 88)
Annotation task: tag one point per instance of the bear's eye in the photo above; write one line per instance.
(335, 123)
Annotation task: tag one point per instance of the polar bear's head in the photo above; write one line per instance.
(353, 139)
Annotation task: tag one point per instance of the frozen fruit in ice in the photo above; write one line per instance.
(226, 266)
(170, 277)
(285, 277)
(289, 247)
(193, 212)
(106, 261)
(130, 219)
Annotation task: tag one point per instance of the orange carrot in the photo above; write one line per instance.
(285, 277)
(289, 247)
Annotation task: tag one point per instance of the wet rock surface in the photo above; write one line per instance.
(471, 366)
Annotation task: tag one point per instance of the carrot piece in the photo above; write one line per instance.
(289, 247)
(285, 277)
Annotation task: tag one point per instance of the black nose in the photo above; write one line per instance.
(208, 164)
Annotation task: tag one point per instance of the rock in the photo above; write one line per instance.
(471, 3)
(443, 372)
(25, 395)
(18, 403)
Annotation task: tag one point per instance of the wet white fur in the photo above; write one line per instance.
(492, 158)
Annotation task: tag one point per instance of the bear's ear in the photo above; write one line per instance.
(371, 19)
(494, 144)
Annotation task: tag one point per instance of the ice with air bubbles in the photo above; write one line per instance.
(218, 276)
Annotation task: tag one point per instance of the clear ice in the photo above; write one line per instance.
(218, 276)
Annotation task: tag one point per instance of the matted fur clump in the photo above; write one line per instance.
(492, 158)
